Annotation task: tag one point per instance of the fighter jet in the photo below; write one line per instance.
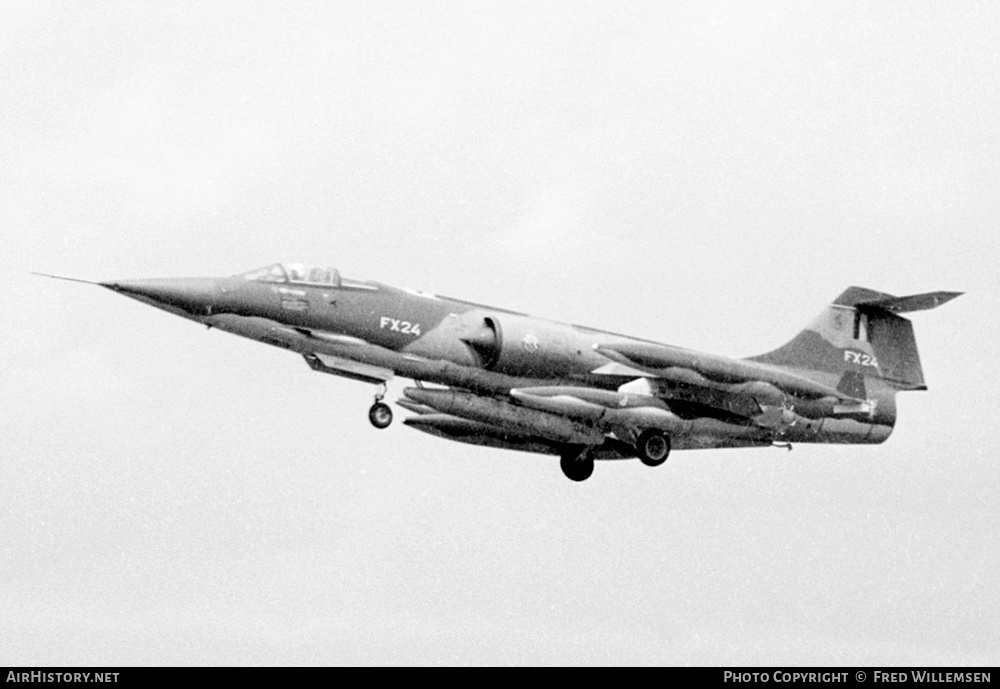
(502, 379)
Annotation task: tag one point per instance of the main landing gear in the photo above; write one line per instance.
(577, 463)
(380, 414)
(652, 447)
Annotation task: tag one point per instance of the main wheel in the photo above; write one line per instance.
(653, 448)
(380, 415)
(577, 463)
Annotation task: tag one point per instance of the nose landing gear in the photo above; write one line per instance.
(380, 413)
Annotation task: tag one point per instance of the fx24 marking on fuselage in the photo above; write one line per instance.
(398, 325)
(594, 395)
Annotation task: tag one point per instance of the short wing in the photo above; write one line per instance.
(710, 371)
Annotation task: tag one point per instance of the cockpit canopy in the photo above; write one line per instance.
(294, 272)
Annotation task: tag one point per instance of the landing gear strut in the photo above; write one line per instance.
(652, 448)
(380, 414)
(577, 463)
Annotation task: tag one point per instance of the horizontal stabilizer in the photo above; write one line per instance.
(914, 302)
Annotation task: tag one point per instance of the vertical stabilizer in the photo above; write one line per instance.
(860, 336)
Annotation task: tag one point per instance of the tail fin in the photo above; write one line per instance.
(859, 335)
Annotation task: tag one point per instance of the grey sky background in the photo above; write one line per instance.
(708, 175)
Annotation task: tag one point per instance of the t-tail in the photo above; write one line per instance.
(857, 337)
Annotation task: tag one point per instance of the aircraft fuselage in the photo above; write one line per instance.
(371, 332)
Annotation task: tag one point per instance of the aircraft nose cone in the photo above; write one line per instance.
(194, 296)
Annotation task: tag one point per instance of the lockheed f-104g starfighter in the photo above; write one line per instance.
(494, 377)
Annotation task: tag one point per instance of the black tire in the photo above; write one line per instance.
(653, 448)
(380, 415)
(577, 463)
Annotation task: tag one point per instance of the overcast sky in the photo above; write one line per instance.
(707, 175)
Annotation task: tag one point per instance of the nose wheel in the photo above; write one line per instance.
(380, 413)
